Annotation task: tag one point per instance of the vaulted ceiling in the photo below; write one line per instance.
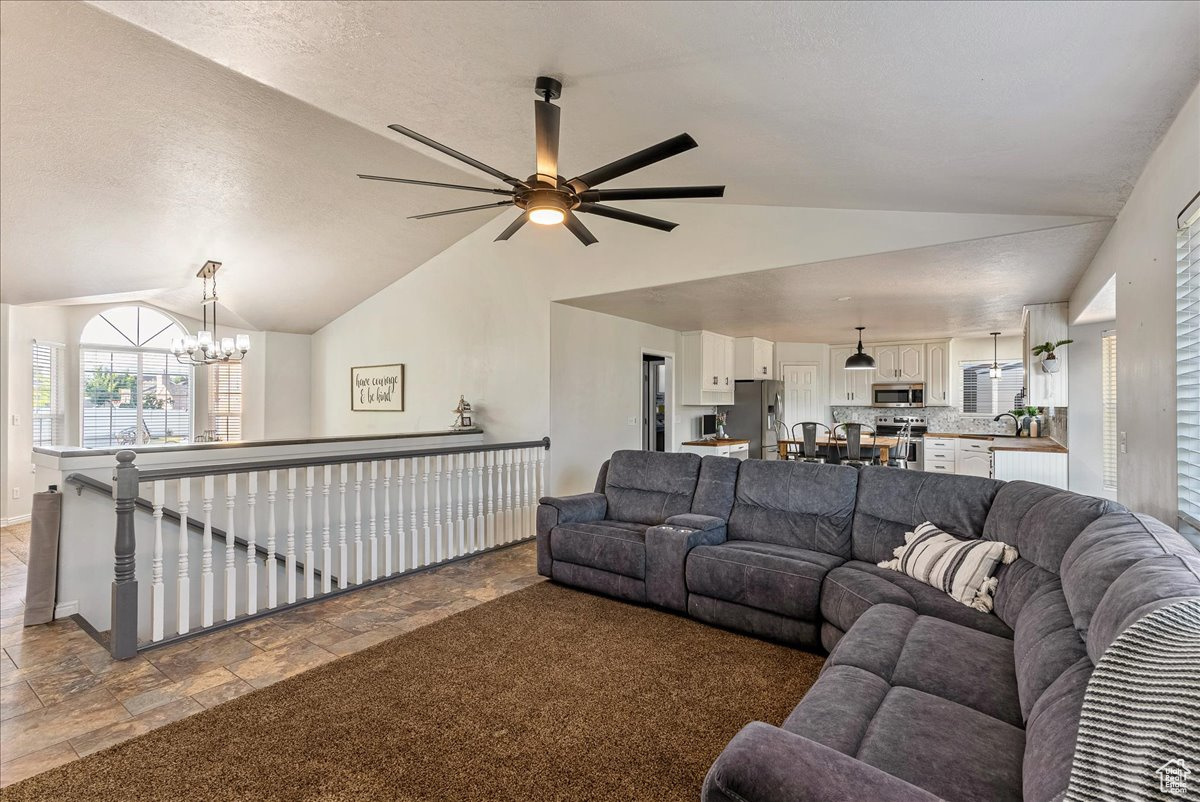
(141, 138)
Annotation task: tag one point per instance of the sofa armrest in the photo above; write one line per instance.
(667, 548)
(693, 521)
(553, 511)
(768, 764)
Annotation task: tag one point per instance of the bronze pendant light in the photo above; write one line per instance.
(860, 361)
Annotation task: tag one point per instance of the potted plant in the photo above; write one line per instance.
(722, 417)
(1026, 417)
(1046, 352)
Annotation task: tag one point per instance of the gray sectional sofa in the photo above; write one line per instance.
(922, 697)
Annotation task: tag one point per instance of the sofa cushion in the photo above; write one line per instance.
(837, 710)
(1050, 734)
(1105, 550)
(892, 502)
(1042, 521)
(954, 662)
(1147, 585)
(1045, 644)
(780, 579)
(759, 623)
(798, 504)
(649, 487)
(853, 588)
(944, 747)
(962, 568)
(716, 486)
(1016, 583)
(614, 546)
(600, 581)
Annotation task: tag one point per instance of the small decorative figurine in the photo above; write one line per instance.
(462, 415)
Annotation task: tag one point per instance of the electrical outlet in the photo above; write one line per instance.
(631, 421)
(1124, 444)
(16, 420)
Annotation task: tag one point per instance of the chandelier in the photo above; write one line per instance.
(207, 347)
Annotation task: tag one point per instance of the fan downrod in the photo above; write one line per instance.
(547, 88)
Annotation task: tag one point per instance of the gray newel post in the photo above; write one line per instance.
(122, 642)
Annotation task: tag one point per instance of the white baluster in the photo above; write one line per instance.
(490, 521)
(469, 459)
(387, 517)
(184, 581)
(541, 480)
(289, 557)
(425, 554)
(158, 592)
(437, 509)
(530, 494)
(206, 561)
(251, 545)
(271, 568)
(449, 482)
(413, 535)
(326, 545)
(310, 556)
(372, 538)
(358, 541)
(523, 496)
(230, 548)
(343, 548)
(508, 496)
(460, 526)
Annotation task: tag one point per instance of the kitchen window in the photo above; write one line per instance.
(225, 402)
(48, 420)
(981, 395)
(1187, 372)
(1108, 378)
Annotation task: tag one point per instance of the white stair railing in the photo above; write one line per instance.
(374, 524)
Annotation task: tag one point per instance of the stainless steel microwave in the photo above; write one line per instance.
(897, 395)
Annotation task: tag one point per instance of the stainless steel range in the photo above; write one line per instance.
(894, 425)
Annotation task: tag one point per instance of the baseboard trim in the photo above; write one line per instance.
(16, 519)
(66, 609)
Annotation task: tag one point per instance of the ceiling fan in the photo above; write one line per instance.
(546, 198)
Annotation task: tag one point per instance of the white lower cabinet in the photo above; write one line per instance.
(1048, 468)
(974, 457)
(940, 455)
(735, 450)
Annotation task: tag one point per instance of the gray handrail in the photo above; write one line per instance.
(152, 474)
(84, 482)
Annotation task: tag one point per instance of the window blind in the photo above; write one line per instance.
(1108, 379)
(48, 419)
(1187, 372)
(982, 396)
(225, 401)
(134, 398)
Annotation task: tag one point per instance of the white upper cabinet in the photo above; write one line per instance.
(900, 363)
(708, 361)
(754, 358)
(849, 388)
(887, 363)
(937, 374)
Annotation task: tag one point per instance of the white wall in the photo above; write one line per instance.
(287, 385)
(1140, 252)
(1086, 433)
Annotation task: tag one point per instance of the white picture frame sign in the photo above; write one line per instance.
(377, 388)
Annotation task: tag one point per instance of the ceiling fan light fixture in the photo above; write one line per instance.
(860, 361)
(546, 207)
(546, 216)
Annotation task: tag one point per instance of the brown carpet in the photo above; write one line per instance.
(547, 693)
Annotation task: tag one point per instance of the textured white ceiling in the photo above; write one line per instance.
(128, 161)
(959, 289)
(1034, 107)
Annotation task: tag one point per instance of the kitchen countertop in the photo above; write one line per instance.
(1008, 442)
(725, 442)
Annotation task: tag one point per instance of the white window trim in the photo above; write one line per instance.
(958, 378)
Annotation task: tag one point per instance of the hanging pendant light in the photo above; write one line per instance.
(207, 347)
(994, 372)
(860, 361)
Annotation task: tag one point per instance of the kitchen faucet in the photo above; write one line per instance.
(1016, 421)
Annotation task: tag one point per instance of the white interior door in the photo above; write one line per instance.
(801, 392)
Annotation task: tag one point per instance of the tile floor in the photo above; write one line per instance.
(62, 696)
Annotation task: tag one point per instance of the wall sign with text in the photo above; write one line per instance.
(377, 388)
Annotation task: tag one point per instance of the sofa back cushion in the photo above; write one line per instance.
(1106, 549)
(891, 502)
(716, 487)
(648, 487)
(801, 504)
(1045, 644)
(1143, 587)
(1050, 732)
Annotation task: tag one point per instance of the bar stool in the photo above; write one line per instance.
(899, 456)
(850, 451)
(806, 450)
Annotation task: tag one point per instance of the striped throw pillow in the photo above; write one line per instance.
(960, 567)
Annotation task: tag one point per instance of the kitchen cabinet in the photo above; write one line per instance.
(1045, 323)
(1048, 468)
(738, 449)
(707, 361)
(849, 388)
(974, 458)
(937, 374)
(941, 455)
(900, 363)
(753, 358)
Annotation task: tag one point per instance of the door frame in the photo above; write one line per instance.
(669, 443)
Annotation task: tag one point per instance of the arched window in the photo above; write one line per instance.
(133, 390)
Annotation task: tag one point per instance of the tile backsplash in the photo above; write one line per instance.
(950, 420)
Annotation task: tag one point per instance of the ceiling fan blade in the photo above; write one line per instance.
(465, 209)
(576, 227)
(626, 216)
(512, 228)
(546, 121)
(635, 161)
(651, 193)
(435, 184)
(462, 157)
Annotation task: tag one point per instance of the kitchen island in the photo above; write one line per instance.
(718, 447)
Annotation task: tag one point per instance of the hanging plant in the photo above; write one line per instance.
(1046, 352)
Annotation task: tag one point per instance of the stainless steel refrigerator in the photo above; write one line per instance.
(756, 415)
